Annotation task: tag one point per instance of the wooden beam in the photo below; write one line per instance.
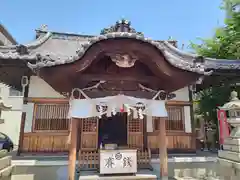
(21, 133)
(178, 103)
(163, 149)
(73, 149)
(138, 94)
(66, 100)
(109, 77)
(48, 100)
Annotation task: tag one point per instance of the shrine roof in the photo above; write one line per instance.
(55, 48)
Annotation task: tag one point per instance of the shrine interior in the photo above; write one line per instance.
(113, 130)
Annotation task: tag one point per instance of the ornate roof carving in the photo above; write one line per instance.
(122, 25)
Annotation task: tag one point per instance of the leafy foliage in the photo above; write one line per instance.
(224, 45)
(226, 42)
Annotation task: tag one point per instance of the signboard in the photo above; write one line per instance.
(223, 125)
(118, 161)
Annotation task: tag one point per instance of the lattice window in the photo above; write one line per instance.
(51, 117)
(175, 119)
(89, 125)
(134, 125)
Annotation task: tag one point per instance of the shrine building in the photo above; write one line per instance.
(119, 60)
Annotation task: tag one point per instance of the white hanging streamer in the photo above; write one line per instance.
(114, 112)
(140, 113)
(100, 111)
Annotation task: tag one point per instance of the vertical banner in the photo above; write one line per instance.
(223, 125)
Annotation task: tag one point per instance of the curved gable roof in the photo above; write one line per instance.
(54, 48)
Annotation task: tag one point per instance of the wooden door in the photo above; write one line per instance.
(135, 132)
(89, 134)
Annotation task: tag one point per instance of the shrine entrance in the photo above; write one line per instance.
(113, 130)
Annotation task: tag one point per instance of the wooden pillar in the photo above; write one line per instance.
(72, 149)
(145, 137)
(163, 149)
(193, 137)
(21, 133)
(25, 87)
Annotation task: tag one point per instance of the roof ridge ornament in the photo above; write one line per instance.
(43, 27)
(234, 96)
(122, 25)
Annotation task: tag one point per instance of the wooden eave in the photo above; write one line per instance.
(11, 72)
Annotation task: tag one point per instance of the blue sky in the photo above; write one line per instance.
(184, 20)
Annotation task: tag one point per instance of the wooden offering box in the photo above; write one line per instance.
(118, 161)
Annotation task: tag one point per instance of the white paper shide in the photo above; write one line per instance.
(118, 161)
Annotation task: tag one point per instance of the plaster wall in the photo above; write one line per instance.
(38, 88)
(181, 94)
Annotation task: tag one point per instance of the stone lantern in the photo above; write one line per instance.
(229, 157)
(3, 107)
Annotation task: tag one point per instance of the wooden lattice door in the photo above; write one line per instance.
(89, 134)
(135, 132)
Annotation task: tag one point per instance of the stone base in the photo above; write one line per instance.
(230, 155)
(231, 149)
(5, 167)
(6, 172)
(135, 177)
(229, 169)
(5, 162)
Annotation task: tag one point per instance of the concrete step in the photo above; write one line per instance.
(5, 162)
(23, 177)
(136, 177)
(6, 172)
(233, 156)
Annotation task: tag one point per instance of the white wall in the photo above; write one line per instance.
(29, 109)
(38, 88)
(181, 94)
(12, 118)
(187, 115)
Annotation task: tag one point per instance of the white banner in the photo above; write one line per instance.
(86, 108)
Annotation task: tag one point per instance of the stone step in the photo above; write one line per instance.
(5, 162)
(6, 172)
(234, 156)
(136, 177)
(192, 178)
(230, 147)
(23, 177)
(232, 141)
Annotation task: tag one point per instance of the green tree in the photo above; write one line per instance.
(226, 42)
(224, 45)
